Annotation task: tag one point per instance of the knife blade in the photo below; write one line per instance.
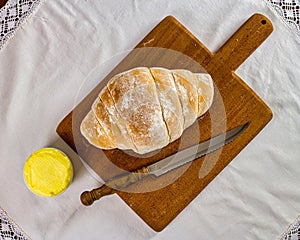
(163, 166)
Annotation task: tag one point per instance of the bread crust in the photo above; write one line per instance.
(136, 99)
(169, 102)
(205, 88)
(144, 109)
(93, 131)
(186, 87)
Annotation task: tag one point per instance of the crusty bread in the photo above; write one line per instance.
(169, 102)
(205, 88)
(102, 116)
(136, 99)
(144, 109)
(116, 123)
(186, 87)
(94, 132)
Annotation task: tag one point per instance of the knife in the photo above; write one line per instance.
(163, 166)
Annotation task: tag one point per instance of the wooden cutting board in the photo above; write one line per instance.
(159, 200)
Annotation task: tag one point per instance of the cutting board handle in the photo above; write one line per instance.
(242, 43)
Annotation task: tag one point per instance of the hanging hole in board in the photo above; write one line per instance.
(263, 22)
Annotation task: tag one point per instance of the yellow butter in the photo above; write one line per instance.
(48, 172)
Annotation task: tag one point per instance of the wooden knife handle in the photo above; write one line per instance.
(112, 186)
(88, 197)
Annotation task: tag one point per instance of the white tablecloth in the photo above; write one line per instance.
(42, 70)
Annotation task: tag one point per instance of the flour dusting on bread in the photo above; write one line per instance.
(144, 109)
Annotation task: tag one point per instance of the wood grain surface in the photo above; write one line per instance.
(3, 2)
(159, 200)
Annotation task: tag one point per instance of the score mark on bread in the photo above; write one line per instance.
(145, 109)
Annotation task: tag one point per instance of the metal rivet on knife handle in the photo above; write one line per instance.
(88, 197)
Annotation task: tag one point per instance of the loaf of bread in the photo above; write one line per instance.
(144, 109)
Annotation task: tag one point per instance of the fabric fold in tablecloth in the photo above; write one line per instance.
(15, 13)
(44, 73)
